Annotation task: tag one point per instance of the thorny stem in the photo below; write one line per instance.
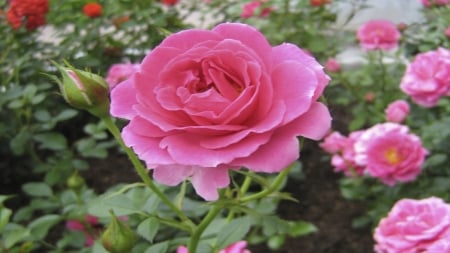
(142, 172)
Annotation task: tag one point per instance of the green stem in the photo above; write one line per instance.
(275, 185)
(195, 237)
(142, 172)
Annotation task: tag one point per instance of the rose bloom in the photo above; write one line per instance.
(169, 2)
(92, 10)
(332, 65)
(427, 78)
(390, 153)
(318, 3)
(88, 226)
(33, 11)
(120, 72)
(249, 9)
(206, 101)
(237, 247)
(397, 111)
(447, 32)
(429, 3)
(414, 226)
(342, 149)
(378, 34)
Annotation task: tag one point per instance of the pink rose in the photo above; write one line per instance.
(447, 32)
(378, 34)
(397, 111)
(390, 153)
(342, 149)
(206, 101)
(428, 3)
(237, 247)
(427, 78)
(414, 226)
(250, 9)
(85, 226)
(120, 72)
(332, 65)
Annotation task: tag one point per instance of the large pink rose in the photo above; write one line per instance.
(414, 226)
(397, 111)
(390, 153)
(427, 78)
(378, 34)
(206, 101)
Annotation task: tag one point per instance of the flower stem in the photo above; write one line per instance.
(275, 185)
(142, 172)
(195, 236)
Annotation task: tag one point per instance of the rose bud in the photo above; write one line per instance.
(118, 238)
(75, 182)
(84, 90)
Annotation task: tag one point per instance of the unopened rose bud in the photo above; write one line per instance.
(75, 182)
(84, 90)
(118, 238)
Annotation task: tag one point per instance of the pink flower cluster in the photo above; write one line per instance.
(251, 9)
(237, 247)
(429, 3)
(378, 34)
(385, 151)
(415, 226)
(427, 78)
(120, 72)
(207, 101)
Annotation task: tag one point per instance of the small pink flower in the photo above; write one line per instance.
(427, 78)
(429, 3)
(237, 247)
(390, 153)
(332, 65)
(86, 226)
(206, 101)
(118, 73)
(342, 149)
(378, 34)
(447, 32)
(397, 111)
(369, 96)
(415, 226)
(250, 9)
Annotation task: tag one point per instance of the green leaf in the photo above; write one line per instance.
(52, 141)
(19, 143)
(5, 214)
(14, 234)
(275, 242)
(233, 232)
(40, 226)
(66, 114)
(301, 228)
(119, 203)
(37, 189)
(148, 228)
(161, 247)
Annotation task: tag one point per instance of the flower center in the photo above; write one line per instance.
(392, 156)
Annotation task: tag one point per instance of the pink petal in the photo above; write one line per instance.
(314, 124)
(206, 181)
(172, 174)
(123, 97)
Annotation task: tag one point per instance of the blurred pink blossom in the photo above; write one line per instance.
(342, 149)
(206, 101)
(250, 9)
(120, 72)
(415, 226)
(378, 34)
(332, 65)
(447, 32)
(86, 226)
(390, 153)
(427, 78)
(237, 247)
(397, 111)
(429, 3)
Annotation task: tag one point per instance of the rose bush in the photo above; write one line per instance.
(206, 101)
(414, 226)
